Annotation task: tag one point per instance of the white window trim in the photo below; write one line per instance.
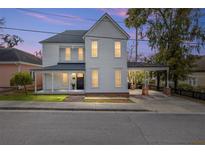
(70, 58)
(98, 78)
(118, 69)
(97, 49)
(120, 49)
(82, 53)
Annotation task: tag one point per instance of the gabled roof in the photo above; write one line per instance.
(16, 55)
(68, 36)
(63, 67)
(114, 23)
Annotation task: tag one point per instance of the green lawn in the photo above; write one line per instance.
(30, 97)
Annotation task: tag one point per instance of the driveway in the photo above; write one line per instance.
(157, 101)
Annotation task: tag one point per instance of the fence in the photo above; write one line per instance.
(193, 94)
(182, 92)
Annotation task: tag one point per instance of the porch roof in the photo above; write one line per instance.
(63, 67)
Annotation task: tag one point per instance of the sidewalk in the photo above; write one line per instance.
(70, 106)
(155, 102)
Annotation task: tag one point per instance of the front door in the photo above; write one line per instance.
(80, 81)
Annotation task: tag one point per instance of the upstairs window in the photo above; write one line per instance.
(67, 54)
(117, 78)
(117, 49)
(80, 54)
(94, 78)
(94, 49)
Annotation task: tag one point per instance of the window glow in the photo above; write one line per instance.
(65, 78)
(80, 54)
(94, 49)
(117, 49)
(67, 54)
(118, 78)
(80, 75)
(94, 78)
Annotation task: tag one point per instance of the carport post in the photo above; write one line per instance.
(52, 82)
(145, 78)
(35, 82)
(168, 78)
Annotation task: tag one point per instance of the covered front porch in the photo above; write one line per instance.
(66, 78)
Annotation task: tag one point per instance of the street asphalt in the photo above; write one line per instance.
(97, 127)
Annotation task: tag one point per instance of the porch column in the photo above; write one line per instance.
(167, 90)
(52, 82)
(145, 78)
(167, 78)
(145, 90)
(35, 82)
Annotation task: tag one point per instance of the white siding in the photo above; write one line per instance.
(51, 52)
(106, 62)
(51, 56)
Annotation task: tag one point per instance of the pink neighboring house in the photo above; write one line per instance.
(13, 60)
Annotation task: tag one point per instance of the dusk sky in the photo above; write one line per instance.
(74, 19)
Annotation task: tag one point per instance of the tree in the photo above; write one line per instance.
(21, 79)
(175, 34)
(132, 22)
(9, 40)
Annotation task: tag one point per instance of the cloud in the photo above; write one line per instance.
(63, 15)
(48, 19)
(117, 12)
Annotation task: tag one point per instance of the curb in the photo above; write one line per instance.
(73, 109)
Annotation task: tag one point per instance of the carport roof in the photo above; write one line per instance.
(146, 66)
(64, 67)
(140, 64)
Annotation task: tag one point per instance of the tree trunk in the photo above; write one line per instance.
(165, 79)
(175, 84)
(158, 80)
(136, 56)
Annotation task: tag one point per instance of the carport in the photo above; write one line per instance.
(146, 67)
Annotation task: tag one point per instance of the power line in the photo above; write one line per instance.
(62, 16)
(49, 32)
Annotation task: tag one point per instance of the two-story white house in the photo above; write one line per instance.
(90, 61)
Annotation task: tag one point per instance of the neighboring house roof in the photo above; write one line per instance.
(200, 65)
(113, 21)
(140, 64)
(63, 67)
(69, 36)
(15, 55)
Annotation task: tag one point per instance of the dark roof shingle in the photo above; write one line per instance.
(16, 55)
(64, 67)
(69, 36)
(140, 64)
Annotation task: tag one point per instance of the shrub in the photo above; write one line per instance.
(21, 79)
(199, 89)
(185, 86)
